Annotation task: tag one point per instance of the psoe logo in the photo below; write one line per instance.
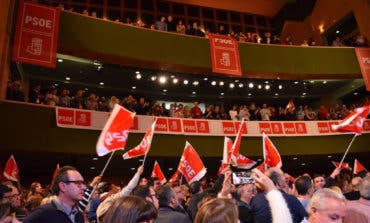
(365, 60)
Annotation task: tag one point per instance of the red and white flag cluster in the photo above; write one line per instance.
(270, 153)
(191, 166)
(144, 146)
(157, 172)
(115, 133)
(237, 159)
(354, 121)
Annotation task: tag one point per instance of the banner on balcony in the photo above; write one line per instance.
(95, 120)
(36, 35)
(363, 57)
(224, 54)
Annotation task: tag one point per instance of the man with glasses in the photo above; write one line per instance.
(14, 198)
(69, 186)
(245, 192)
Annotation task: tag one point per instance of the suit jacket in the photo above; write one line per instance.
(170, 215)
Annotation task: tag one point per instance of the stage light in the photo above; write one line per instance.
(60, 60)
(175, 80)
(164, 90)
(195, 83)
(186, 82)
(267, 87)
(251, 85)
(153, 78)
(231, 85)
(138, 76)
(101, 83)
(137, 72)
(222, 83)
(222, 93)
(259, 86)
(68, 78)
(213, 83)
(134, 87)
(162, 80)
(241, 85)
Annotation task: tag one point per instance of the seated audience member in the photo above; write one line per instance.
(130, 209)
(260, 206)
(359, 210)
(7, 213)
(355, 193)
(326, 206)
(217, 210)
(304, 188)
(106, 204)
(168, 205)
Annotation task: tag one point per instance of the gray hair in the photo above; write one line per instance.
(365, 188)
(319, 198)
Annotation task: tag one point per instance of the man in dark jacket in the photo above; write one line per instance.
(168, 203)
(69, 187)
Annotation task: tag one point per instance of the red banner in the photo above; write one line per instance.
(363, 58)
(36, 36)
(225, 55)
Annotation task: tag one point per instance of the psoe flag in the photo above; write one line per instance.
(358, 167)
(115, 131)
(354, 121)
(270, 153)
(191, 166)
(157, 172)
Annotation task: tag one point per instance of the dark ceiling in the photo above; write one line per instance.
(121, 81)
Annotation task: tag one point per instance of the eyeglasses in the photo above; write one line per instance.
(79, 183)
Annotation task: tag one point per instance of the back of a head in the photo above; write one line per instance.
(275, 174)
(365, 188)
(320, 197)
(217, 210)
(303, 184)
(141, 191)
(165, 194)
(195, 187)
(130, 209)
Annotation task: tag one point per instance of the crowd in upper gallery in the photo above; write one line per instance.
(141, 106)
(169, 24)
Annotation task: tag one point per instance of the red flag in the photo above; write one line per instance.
(354, 121)
(236, 146)
(115, 132)
(157, 172)
(228, 144)
(358, 167)
(270, 153)
(144, 146)
(191, 166)
(244, 162)
(343, 166)
(290, 105)
(175, 179)
(262, 167)
(11, 170)
(56, 171)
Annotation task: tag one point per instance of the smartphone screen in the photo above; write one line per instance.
(243, 177)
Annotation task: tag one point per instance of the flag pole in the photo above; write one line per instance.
(146, 154)
(349, 146)
(107, 163)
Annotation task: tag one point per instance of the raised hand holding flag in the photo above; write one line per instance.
(270, 153)
(144, 146)
(191, 166)
(157, 172)
(115, 131)
(11, 170)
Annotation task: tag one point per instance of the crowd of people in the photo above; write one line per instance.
(272, 196)
(250, 112)
(196, 29)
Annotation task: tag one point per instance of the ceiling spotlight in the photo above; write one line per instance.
(304, 93)
(276, 94)
(153, 78)
(280, 86)
(137, 72)
(295, 158)
(213, 83)
(101, 83)
(231, 85)
(355, 93)
(295, 82)
(312, 82)
(267, 87)
(186, 82)
(92, 168)
(259, 86)
(205, 79)
(170, 168)
(195, 83)
(250, 94)
(337, 32)
(236, 81)
(172, 76)
(303, 164)
(222, 83)
(86, 89)
(134, 87)
(222, 93)
(175, 80)
(194, 92)
(324, 82)
(138, 76)
(68, 78)
(99, 67)
(329, 156)
(56, 85)
(60, 60)
(162, 80)
(95, 158)
(266, 82)
(251, 85)
(241, 85)
(164, 90)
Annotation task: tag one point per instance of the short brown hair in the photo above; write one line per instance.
(61, 177)
(217, 210)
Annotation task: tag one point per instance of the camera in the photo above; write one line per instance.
(243, 177)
